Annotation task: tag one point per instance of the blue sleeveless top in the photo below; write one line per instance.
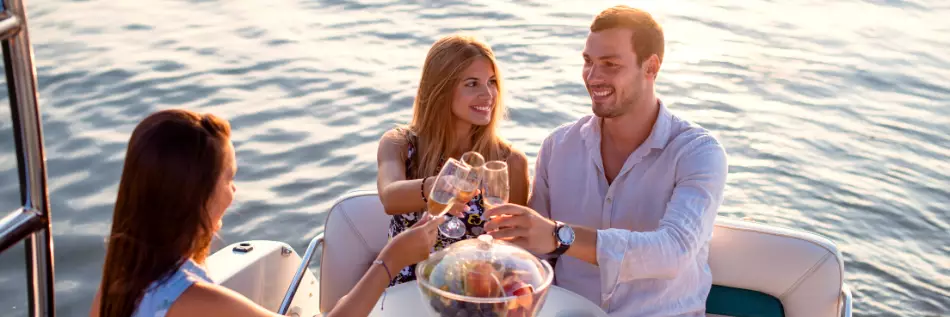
(160, 295)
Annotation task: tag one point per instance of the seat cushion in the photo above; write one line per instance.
(736, 302)
(355, 232)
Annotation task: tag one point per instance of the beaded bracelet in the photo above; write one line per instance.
(422, 189)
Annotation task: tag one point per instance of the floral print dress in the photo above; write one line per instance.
(474, 224)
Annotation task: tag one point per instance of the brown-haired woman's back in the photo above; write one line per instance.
(177, 182)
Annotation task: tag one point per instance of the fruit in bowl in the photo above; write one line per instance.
(482, 281)
(484, 277)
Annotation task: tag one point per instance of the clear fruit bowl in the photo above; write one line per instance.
(483, 277)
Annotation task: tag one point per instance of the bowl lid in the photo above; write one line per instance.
(484, 267)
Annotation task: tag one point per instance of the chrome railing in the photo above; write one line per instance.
(30, 223)
(18, 225)
(846, 305)
(301, 272)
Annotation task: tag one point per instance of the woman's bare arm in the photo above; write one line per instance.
(518, 178)
(398, 195)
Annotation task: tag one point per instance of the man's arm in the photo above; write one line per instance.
(584, 247)
(686, 226)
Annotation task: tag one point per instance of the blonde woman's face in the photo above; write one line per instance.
(474, 100)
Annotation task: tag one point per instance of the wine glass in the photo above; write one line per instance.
(473, 159)
(494, 185)
(454, 184)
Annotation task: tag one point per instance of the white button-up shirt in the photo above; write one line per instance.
(654, 220)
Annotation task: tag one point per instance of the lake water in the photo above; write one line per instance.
(835, 114)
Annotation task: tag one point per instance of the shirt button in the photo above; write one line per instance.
(609, 199)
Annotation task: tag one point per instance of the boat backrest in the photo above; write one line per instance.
(356, 230)
(261, 270)
(756, 266)
(757, 270)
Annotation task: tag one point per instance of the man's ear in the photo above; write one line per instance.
(652, 66)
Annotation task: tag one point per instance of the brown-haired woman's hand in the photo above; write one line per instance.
(413, 245)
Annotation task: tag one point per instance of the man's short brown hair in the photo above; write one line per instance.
(647, 34)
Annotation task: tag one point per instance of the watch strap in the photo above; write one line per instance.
(561, 248)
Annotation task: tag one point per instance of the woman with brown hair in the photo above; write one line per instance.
(176, 184)
(457, 109)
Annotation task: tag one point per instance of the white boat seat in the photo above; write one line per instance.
(758, 270)
(355, 232)
(761, 270)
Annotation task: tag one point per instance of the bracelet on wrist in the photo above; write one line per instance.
(422, 189)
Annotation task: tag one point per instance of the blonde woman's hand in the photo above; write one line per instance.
(457, 207)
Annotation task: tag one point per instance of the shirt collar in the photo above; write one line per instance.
(658, 139)
(660, 136)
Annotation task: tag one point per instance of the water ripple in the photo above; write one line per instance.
(836, 126)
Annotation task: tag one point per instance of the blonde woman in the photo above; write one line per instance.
(457, 109)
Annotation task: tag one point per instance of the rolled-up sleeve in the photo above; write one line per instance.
(540, 193)
(686, 226)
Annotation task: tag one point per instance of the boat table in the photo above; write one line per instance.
(406, 300)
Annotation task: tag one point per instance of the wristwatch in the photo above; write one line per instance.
(564, 235)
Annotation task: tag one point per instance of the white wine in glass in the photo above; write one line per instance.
(439, 202)
(494, 184)
(450, 186)
(492, 202)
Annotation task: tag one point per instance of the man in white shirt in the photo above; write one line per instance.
(629, 195)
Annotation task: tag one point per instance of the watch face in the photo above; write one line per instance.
(566, 235)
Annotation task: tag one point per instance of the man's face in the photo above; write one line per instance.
(614, 79)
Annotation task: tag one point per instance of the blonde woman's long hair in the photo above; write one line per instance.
(433, 123)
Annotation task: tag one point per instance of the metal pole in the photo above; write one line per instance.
(24, 110)
(40, 279)
(18, 225)
(298, 276)
(846, 306)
